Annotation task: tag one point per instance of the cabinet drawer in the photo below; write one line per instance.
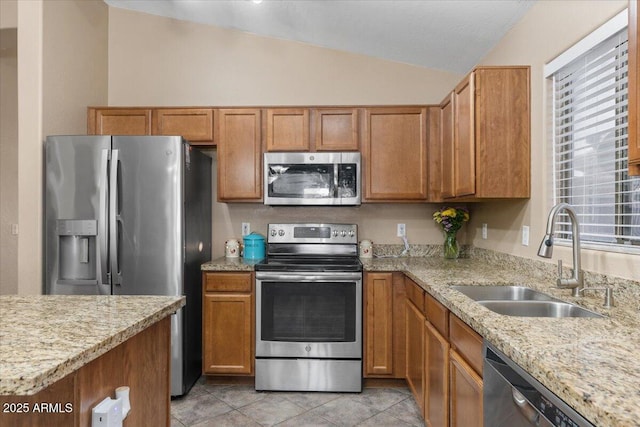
(437, 314)
(415, 294)
(227, 282)
(466, 342)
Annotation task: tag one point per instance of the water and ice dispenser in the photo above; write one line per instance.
(77, 250)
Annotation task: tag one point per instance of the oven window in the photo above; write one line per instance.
(301, 181)
(308, 312)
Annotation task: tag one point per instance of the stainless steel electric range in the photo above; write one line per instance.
(309, 309)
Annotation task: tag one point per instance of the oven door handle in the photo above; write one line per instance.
(310, 277)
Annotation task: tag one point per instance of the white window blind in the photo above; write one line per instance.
(590, 145)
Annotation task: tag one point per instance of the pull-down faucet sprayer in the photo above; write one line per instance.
(576, 281)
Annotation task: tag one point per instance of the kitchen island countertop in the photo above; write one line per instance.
(590, 363)
(43, 338)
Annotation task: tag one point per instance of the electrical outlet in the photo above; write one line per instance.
(525, 235)
(14, 229)
(246, 228)
(484, 231)
(402, 230)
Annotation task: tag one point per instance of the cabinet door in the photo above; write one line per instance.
(119, 121)
(335, 129)
(436, 405)
(395, 154)
(415, 353)
(634, 89)
(378, 356)
(434, 160)
(227, 334)
(502, 132)
(447, 148)
(464, 138)
(193, 124)
(288, 129)
(239, 155)
(466, 394)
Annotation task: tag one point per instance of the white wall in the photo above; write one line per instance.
(160, 61)
(549, 28)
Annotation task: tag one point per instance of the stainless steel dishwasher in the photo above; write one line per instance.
(513, 398)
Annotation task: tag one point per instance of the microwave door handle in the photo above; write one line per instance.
(335, 181)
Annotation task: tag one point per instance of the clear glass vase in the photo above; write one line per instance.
(451, 250)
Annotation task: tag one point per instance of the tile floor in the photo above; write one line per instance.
(208, 405)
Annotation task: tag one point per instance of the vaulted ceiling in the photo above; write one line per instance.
(450, 35)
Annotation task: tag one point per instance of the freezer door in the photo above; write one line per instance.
(146, 215)
(75, 223)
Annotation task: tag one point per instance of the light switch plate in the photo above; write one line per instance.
(246, 228)
(484, 231)
(525, 235)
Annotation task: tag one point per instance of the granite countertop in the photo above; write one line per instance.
(590, 363)
(43, 338)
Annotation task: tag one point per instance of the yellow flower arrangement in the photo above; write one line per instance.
(451, 219)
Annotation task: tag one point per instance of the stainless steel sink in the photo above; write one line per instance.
(522, 302)
(502, 293)
(538, 309)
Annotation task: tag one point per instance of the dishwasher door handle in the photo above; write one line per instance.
(526, 408)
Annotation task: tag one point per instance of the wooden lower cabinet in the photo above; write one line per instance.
(228, 324)
(465, 375)
(384, 332)
(415, 329)
(436, 395)
(466, 393)
(443, 362)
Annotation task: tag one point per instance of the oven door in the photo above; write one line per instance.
(309, 315)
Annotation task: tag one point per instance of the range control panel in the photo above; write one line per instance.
(312, 233)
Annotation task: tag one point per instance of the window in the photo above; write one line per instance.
(589, 89)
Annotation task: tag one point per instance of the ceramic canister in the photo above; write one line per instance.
(254, 247)
(232, 248)
(366, 249)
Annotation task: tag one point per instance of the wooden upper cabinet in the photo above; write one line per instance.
(464, 145)
(118, 121)
(434, 161)
(446, 148)
(239, 139)
(287, 129)
(394, 151)
(335, 129)
(193, 124)
(634, 89)
(491, 136)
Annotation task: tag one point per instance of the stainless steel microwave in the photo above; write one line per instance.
(331, 178)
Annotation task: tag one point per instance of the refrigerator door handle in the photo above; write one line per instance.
(113, 223)
(103, 242)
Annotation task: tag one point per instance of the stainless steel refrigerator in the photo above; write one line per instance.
(131, 215)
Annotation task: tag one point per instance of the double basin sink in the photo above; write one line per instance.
(522, 302)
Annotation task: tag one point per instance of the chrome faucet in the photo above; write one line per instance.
(576, 281)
